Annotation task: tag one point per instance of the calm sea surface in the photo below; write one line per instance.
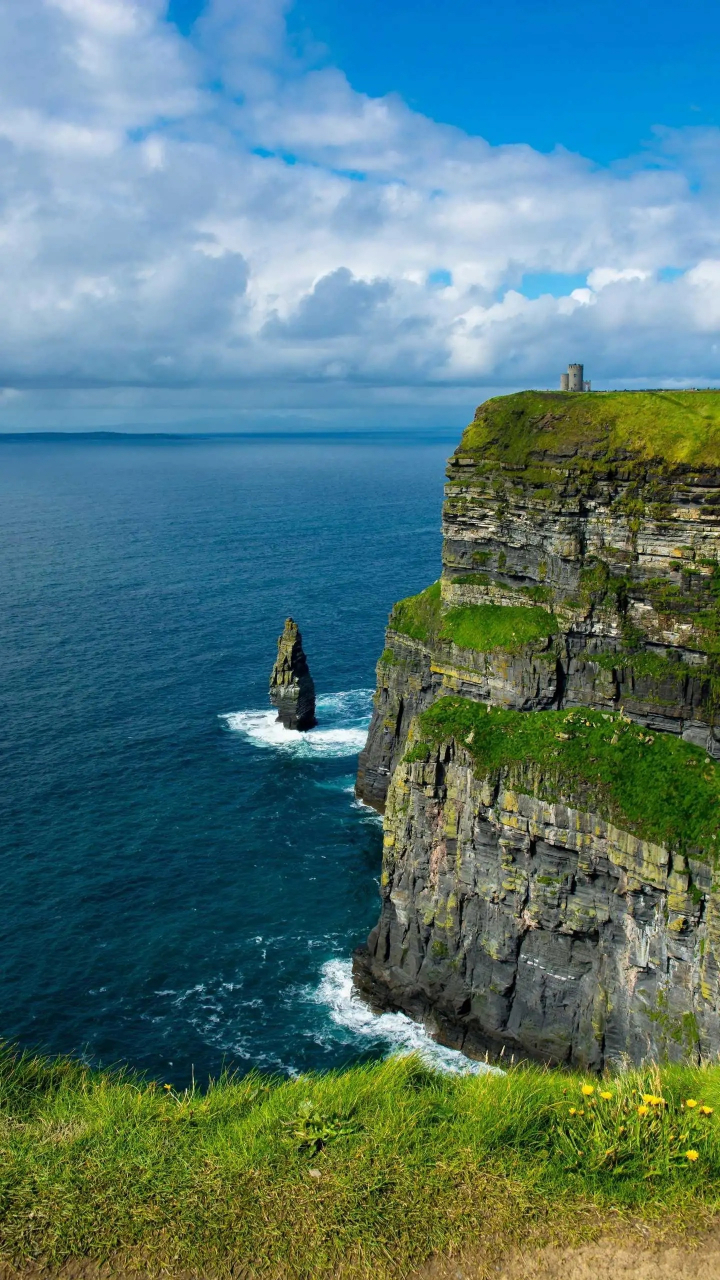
(182, 882)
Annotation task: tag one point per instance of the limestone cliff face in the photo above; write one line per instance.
(557, 913)
(549, 512)
(510, 921)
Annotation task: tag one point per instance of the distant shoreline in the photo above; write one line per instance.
(424, 434)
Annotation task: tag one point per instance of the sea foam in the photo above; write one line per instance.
(342, 729)
(399, 1033)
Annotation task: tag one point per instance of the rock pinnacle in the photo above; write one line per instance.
(292, 690)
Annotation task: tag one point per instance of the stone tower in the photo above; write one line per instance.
(573, 380)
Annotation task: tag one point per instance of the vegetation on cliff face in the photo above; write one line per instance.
(488, 627)
(604, 509)
(678, 427)
(356, 1174)
(652, 784)
(418, 616)
(651, 459)
(484, 628)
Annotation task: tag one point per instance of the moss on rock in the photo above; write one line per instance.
(418, 616)
(489, 627)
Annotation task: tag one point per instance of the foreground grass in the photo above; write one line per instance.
(355, 1174)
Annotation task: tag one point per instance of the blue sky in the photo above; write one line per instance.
(313, 213)
(595, 77)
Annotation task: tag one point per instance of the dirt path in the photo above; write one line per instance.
(630, 1258)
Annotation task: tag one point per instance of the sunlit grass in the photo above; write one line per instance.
(489, 627)
(483, 627)
(677, 426)
(359, 1173)
(653, 784)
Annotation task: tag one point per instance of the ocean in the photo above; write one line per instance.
(183, 880)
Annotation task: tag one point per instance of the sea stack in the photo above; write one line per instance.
(292, 690)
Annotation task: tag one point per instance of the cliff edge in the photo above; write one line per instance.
(558, 901)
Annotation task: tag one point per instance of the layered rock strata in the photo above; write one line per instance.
(564, 908)
(292, 690)
(604, 541)
(517, 913)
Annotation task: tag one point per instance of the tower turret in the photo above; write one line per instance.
(575, 377)
(574, 380)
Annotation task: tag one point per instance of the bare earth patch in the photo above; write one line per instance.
(647, 1256)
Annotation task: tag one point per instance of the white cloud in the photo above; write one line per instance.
(600, 277)
(225, 212)
(110, 17)
(30, 131)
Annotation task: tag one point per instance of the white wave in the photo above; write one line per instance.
(370, 814)
(264, 730)
(400, 1033)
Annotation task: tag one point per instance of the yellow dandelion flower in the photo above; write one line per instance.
(692, 1155)
(606, 1094)
(573, 1111)
(581, 1112)
(691, 1102)
(642, 1111)
(587, 1089)
(706, 1111)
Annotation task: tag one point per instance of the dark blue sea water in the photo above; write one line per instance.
(182, 883)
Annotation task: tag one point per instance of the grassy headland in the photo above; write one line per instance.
(678, 427)
(652, 784)
(358, 1173)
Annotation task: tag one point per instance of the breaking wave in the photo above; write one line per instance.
(342, 729)
(398, 1033)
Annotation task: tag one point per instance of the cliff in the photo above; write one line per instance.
(557, 902)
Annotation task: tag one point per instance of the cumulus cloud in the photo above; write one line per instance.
(338, 304)
(220, 210)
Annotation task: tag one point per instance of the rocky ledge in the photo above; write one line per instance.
(558, 901)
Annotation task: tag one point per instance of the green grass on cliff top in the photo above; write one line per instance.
(677, 426)
(483, 627)
(351, 1175)
(651, 784)
(418, 616)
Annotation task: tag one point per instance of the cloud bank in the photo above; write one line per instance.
(224, 211)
